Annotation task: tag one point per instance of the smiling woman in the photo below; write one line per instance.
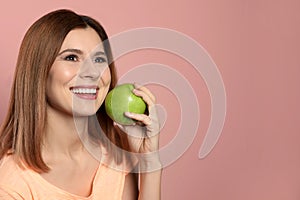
(81, 73)
(64, 71)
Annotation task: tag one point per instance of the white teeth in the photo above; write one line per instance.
(83, 91)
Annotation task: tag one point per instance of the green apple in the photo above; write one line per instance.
(120, 100)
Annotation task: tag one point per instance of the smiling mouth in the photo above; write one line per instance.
(85, 92)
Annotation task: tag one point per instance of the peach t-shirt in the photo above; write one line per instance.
(17, 183)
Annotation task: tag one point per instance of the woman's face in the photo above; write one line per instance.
(79, 78)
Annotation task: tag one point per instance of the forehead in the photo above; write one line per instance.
(84, 39)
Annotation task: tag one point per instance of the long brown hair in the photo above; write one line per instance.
(22, 131)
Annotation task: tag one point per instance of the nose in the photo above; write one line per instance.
(89, 70)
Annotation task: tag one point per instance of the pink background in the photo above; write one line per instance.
(255, 46)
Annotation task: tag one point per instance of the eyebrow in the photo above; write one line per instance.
(78, 51)
(99, 53)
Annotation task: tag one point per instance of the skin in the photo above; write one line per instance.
(81, 62)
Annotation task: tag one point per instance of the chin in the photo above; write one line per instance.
(84, 113)
(84, 110)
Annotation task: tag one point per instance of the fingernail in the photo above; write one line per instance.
(136, 85)
(128, 114)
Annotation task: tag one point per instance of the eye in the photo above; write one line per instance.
(72, 57)
(100, 60)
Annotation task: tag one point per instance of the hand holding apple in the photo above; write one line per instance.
(121, 100)
(143, 136)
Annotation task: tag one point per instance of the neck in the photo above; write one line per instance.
(64, 133)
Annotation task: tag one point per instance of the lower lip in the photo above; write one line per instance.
(87, 96)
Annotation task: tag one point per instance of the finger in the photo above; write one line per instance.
(145, 90)
(144, 96)
(145, 119)
(139, 87)
(148, 100)
(119, 125)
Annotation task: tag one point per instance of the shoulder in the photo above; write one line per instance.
(12, 182)
(9, 170)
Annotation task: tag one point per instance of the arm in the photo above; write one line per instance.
(150, 169)
(144, 140)
(130, 191)
(150, 185)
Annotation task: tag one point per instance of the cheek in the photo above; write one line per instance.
(65, 75)
(60, 75)
(106, 77)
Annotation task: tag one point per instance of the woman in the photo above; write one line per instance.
(52, 146)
